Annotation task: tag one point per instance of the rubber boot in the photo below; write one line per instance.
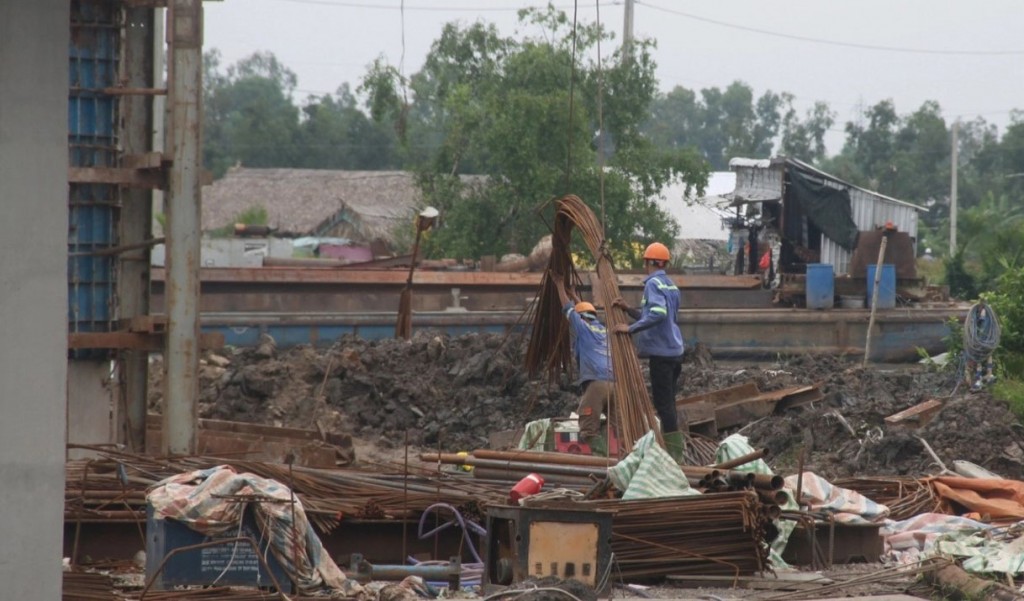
(675, 444)
(598, 445)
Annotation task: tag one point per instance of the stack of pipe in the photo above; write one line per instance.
(549, 342)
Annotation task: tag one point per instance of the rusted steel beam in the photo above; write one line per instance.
(140, 341)
(385, 277)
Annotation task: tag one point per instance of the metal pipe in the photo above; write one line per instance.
(181, 360)
(743, 459)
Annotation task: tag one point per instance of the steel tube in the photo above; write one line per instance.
(184, 97)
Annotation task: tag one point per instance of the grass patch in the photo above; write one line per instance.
(1011, 391)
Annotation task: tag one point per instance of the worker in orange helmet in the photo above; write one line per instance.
(594, 366)
(659, 340)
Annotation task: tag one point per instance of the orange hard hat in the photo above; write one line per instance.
(656, 251)
(585, 307)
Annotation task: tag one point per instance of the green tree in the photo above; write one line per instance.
(249, 117)
(500, 108)
(336, 134)
(721, 124)
(805, 138)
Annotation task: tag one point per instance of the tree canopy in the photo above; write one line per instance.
(487, 125)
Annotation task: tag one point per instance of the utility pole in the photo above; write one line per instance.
(952, 192)
(627, 32)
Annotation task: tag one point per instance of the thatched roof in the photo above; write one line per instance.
(315, 201)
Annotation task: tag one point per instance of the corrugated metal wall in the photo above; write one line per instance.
(869, 212)
(92, 142)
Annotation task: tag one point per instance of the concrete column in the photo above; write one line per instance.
(184, 100)
(33, 307)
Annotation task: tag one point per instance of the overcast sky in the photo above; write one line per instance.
(967, 55)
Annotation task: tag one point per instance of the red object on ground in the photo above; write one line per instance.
(530, 485)
(569, 442)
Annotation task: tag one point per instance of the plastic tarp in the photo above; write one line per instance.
(994, 499)
(847, 506)
(535, 435)
(825, 206)
(913, 539)
(649, 472)
(206, 501)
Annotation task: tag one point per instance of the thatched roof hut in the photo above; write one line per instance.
(360, 205)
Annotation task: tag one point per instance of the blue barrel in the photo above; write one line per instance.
(821, 286)
(886, 286)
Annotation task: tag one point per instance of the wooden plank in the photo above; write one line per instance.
(152, 179)
(725, 395)
(148, 160)
(916, 416)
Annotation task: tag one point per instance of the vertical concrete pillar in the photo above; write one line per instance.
(33, 305)
(184, 100)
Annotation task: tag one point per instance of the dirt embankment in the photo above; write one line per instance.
(454, 392)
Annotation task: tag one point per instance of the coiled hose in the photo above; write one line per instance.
(472, 573)
(981, 332)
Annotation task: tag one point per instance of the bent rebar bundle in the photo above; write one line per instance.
(549, 350)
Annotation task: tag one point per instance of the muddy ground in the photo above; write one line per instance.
(452, 393)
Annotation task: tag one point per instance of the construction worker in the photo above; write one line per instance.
(659, 340)
(594, 364)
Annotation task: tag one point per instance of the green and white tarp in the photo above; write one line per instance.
(649, 472)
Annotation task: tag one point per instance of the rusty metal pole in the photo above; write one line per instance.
(137, 117)
(184, 97)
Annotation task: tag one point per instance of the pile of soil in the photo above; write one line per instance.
(454, 392)
(444, 392)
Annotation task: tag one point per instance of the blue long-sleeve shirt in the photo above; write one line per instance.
(657, 334)
(590, 347)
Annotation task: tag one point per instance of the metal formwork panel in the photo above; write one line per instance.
(92, 142)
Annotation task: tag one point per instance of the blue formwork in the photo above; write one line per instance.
(94, 209)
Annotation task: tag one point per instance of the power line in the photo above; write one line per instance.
(801, 38)
(397, 7)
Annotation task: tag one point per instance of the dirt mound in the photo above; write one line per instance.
(445, 391)
(971, 426)
(454, 392)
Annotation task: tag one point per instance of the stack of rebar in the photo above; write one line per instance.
(549, 343)
(113, 488)
(905, 497)
(724, 534)
(585, 469)
(87, 586)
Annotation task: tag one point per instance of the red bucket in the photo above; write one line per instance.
(530, 485)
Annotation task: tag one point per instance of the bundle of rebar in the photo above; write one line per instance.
(715, 534)
(549, 350)
(905, 497)
(87, 586)
(113, 488)
(514, 465)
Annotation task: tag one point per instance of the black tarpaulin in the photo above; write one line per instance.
(826, 207)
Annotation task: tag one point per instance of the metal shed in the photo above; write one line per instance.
(764, 180)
